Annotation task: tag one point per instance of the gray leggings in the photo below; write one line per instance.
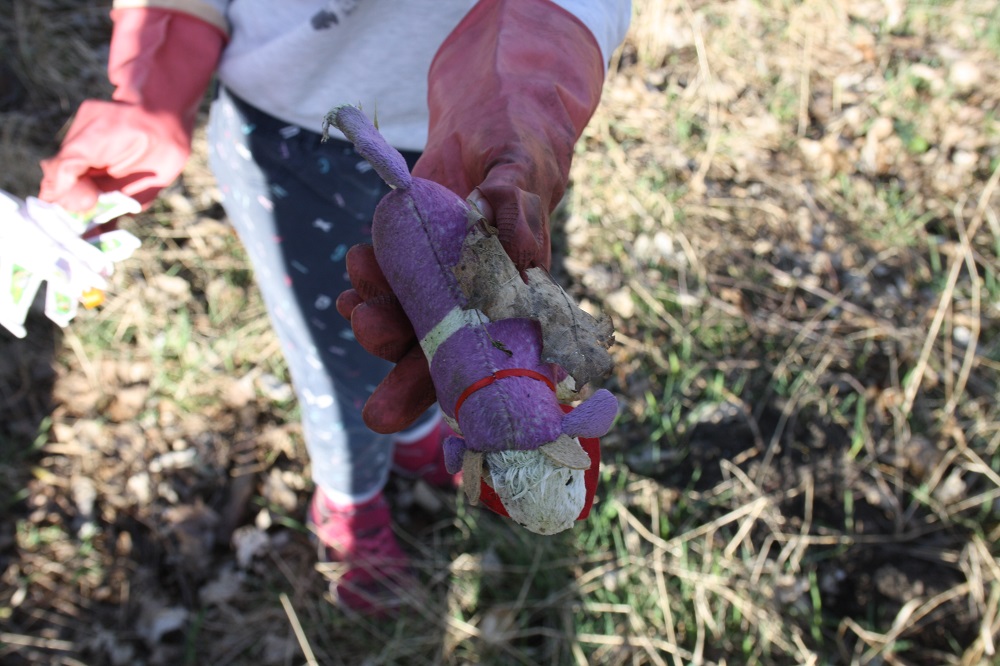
(298, 205)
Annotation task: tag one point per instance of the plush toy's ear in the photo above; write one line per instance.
(454, 451)
(593, 417)
(566, 451)
(472, 476)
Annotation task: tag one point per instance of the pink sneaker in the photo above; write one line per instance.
(360, 537)
(423, 457)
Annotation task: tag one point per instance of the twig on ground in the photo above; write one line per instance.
(300, 634)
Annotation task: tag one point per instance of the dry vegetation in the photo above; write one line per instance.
(790, 210)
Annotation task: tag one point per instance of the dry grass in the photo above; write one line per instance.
(811, 230)
(791, 213)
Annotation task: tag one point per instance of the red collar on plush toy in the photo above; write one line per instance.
(500, 374)
(591, 445)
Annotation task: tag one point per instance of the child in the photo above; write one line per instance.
(487, 98)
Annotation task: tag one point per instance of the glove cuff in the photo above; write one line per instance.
(515, 78)
(163, 61)
(510, 91)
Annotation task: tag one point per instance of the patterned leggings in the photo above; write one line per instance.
(298, 205)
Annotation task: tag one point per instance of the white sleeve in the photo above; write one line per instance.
(608, 20)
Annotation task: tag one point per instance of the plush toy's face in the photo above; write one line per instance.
(538, 494)
(544, 489)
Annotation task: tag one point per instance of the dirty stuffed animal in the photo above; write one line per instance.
(497, 345)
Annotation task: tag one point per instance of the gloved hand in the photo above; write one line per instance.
(382, 328)
(161, 63)
(510, 91)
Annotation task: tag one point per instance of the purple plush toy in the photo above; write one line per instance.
(497, 344)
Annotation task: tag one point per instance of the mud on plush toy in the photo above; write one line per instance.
(497, 345)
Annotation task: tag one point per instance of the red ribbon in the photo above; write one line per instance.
(500, 374)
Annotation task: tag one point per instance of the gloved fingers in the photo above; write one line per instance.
(521, 223)
(75, 190)
(382, 328)
(365, 274)
(479, 202)
(378, 321)
(80, 197)
(112, 146)
(144, 187)
(405, 393)
(347, 301)
(65, 182)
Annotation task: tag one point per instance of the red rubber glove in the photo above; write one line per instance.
(161, 63)
(510, 91)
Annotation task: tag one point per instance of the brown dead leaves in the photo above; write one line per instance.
(571, 338)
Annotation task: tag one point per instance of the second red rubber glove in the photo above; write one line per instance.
(161, 63)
